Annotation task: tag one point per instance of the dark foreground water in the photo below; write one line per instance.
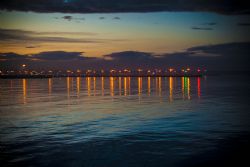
(125, 122)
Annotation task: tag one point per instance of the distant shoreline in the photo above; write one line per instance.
(85, 76)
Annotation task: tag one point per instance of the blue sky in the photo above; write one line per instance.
(87, 32)
(157, 32)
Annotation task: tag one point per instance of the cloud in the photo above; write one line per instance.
(116, 18)
(210, 24)
(244, 24)
(201, 28)
(12, 57)
(58, 55)
(31, 47)
(15, 35)
(128, 55)
(227, 50)
(50, 56)
(228, 56)
(46, 60)
(69, 18)
(205, 26)
(119, 6)
(44, 56)
(232, 56)
(25, 32)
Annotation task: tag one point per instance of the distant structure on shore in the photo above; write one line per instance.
(28, 73)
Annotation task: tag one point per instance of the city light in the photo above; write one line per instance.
(101, 72)
(139, 70)
(171, 69)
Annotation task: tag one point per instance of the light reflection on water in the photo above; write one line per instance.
(24, 90)
(154, 117)
(119, 86)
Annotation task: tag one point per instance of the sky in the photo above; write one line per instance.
(97, 28)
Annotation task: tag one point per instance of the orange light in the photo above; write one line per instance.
(139, 70)
(50, 85)
(24, 90)
(78, 85)
(102, 86)
(111, 84)
(88, 71)
(89, 85)
(125, 86)
(171, 70)
(24, 65)
(171, 88)
(149, 85)
(139, 85)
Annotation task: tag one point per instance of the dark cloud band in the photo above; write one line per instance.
(15, 36)
(229, 56)
(201, 28)
(113, 6)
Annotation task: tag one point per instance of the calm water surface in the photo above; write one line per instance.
(126, 121)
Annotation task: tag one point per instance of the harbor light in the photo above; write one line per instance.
(112, 71)
(88, 71)
(139, 70)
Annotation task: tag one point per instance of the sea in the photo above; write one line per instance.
(125, 121)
